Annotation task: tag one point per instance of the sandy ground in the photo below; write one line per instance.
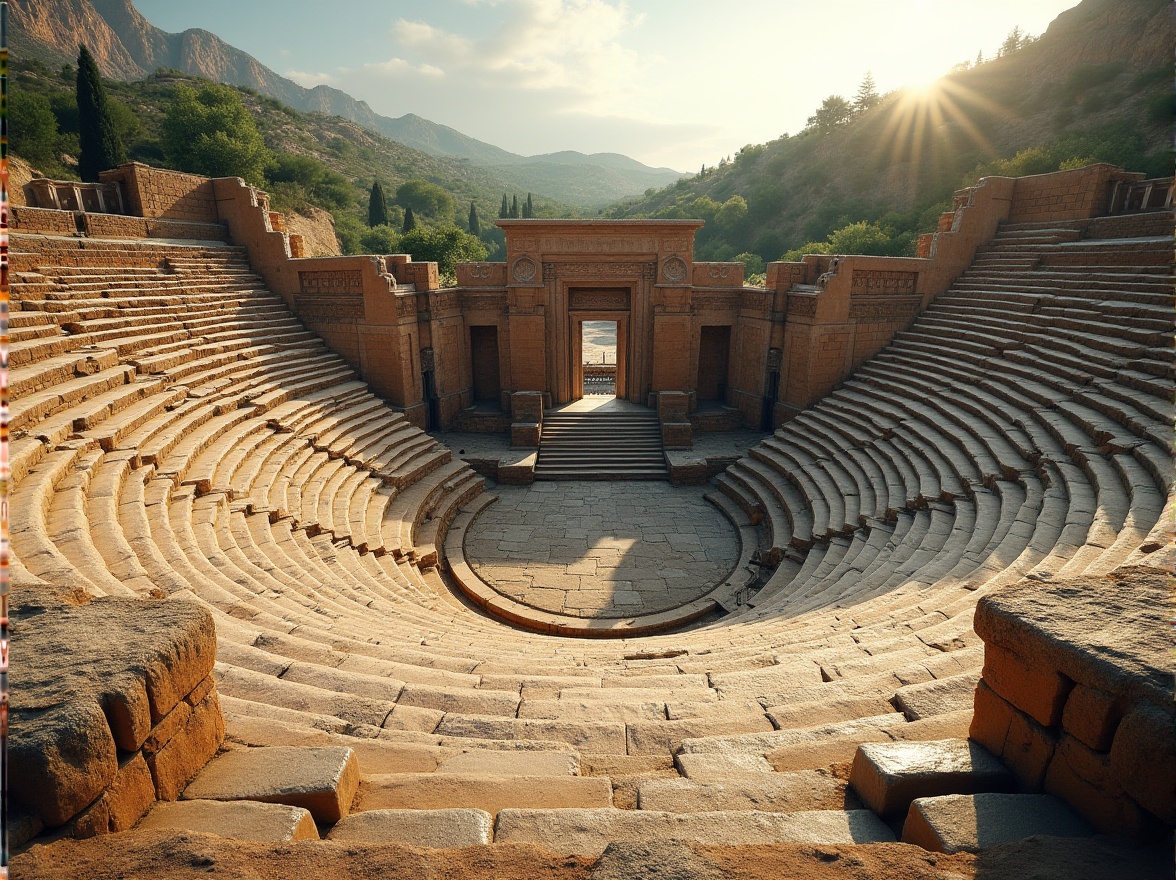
(600, 342)
(174, 857)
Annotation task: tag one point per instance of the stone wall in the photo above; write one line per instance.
(46, 221)
(1076, 695)
(113, 707)
(1064, 195)
(156, 192)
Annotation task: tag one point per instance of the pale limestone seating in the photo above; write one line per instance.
(934, 486)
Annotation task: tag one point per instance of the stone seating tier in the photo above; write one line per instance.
(231, 461)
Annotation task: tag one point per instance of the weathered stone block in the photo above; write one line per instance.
(322, 780)
(1039, 692)
(517, 471)
(971, 823)
(1028, 750)
(1091, 715)
(888, 776)
(177, 762)
(432, 791)
(1143, 759)
(130, 795)
(61, 760)
(441, 829)
(991, 718)
(524, 434)
(936, 697)
(241, 820)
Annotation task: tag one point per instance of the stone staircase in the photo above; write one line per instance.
(601, 446)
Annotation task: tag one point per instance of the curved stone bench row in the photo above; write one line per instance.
(308, 518)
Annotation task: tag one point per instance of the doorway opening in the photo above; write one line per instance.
(598, 344)
(714, 349)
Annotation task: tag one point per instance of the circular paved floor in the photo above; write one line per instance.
(602, 549)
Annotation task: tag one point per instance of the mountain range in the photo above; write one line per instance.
(126, 46)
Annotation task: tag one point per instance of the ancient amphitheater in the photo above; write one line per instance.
(243, 604)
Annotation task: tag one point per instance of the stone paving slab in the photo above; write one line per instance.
(602, 549)
(242, 820)
(975, 822)
(432, 828)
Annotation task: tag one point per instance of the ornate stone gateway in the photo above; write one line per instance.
(561, 273)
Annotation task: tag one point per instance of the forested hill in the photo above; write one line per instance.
(128, 47)
(1095, 86)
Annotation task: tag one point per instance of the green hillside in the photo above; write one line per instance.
(351, 156)
(882, 175)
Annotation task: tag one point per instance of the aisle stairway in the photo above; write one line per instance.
(596, 445)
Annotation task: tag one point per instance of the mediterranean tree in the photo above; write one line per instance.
(409, 220)
(834, 111)
(101, 147)
(210, 132)
(377, 206)
(867, 94)
(504, 211)
(475, 226)
(446, 246)
(528, 207)
(426, 200)
(34, 127)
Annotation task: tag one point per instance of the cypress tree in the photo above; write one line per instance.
(409, 221)
(504, 211)
(377, 206)
(475, 226)
(514, 206)
(528, 207)
(100, 143)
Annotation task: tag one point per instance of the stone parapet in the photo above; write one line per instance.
(47, 221)
(1076, 695)
(113, 708)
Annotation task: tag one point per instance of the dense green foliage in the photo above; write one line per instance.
(445, 245)
(33, 126)
(409, 221)
(100, 146)
(427, 200)
(209, 131)
(474, 226)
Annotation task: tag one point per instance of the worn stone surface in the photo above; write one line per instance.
(974, 822)
(432, 791)
(590, 831)
(771, 792)
(323, 780)
(189, 749)
(502, 763)
(717, 768)
(1105, 632)
(601, 549)
(93, 677)
(241, 820)
(936, 697)
(641, 860)
(888, 776)
(434, 828)
(1143, 759)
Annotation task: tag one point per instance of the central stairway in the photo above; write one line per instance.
(601, 445)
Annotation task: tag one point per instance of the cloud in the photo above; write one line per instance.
(310, 80)
(400, 66)
(572, 50)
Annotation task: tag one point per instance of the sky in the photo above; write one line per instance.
(675, 83)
